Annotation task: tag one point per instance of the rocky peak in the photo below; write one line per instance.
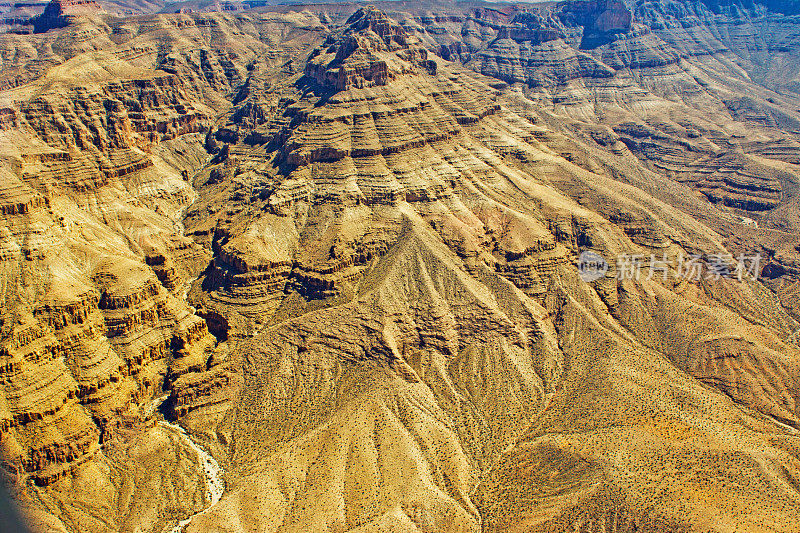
(531, 27)
(60, 13)
(371, 50)
(602, 20)
(370, 20)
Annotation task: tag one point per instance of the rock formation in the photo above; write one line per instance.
(60, 13)
(339, 246)
(601, 20)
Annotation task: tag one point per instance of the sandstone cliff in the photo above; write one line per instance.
(384, 211)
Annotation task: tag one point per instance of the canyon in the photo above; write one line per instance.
(315, 267)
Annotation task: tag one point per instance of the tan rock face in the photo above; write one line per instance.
(89, 331)
(373, 51)
(384, 212)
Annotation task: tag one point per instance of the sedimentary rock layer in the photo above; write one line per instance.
(384, 212)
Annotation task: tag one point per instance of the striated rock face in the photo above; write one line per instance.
(530, 27)
(84, 354)
(92, 252)
(399, 241)
(779, 6)
(60, 13)
(605, 63)
(384, 211)
(601, 20)
(374, 147)
(372, 51)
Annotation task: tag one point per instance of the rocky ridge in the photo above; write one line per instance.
(385, 228)
(502, 190)
(61, 13)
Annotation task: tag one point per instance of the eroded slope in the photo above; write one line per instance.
(390, 332)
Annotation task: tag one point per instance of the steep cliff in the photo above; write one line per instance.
(60, 13)
(384, 211)
(402, 248)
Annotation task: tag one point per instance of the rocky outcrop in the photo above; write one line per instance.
(81, 360)
(530, 27)
(551, 63)
(785, 7)
(354, 152)
(164, 269)
(206, 388)
(119, 115)
(372, 51)
(606, 61)
(40, 396)
(391, 332)
(602, 20)
(60, 13)
(16, 198)
(92, 332)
